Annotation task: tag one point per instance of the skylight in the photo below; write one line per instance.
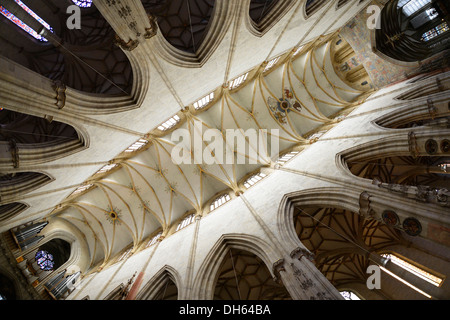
(434, 280)
(271, 64)
(11, 17)
(203, 102)
(186, 221)
(410, 7)
(153, 240)
(169, 123)
(286, 157)
(296, 52)
(81, 189)
(254, 179)
(219, 201)
(107, 168)
(125, 255)
(137, 145)
(233, 84)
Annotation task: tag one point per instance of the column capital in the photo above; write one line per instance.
(298, 253)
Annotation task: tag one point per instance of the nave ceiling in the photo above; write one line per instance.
(302, 94)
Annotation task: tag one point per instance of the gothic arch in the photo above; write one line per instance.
(401, 36)
(159, 282)
(436, 87)
(29, 140)
(15, 184)
(9, 286)
(333, 197)
(10, 210)
(264, 14)
(432, 112)
(205, 279)
(219, 23)
(341, 3)
(84, 59)
(312, 6)
(401, 159)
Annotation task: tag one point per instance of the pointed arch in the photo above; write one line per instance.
(205, 279)
(29, 140)
(219, 20)
(10, 210)
(156, 287)
(264, 14)
(15, 184)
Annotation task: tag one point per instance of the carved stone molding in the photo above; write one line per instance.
(413, 147)
(151, 32)
(60, 89)
(365, 209)
(298, 253)
(420, 193)
(128, 46)
(14, 153)
(277, 267)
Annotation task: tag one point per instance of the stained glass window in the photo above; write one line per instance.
(44, 260)
(11, 17)
(436, 31)
(83, 3)
(348, 295)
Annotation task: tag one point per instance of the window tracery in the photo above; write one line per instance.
(83, 3)
(219, 201)
(44, 260)
(172, 122)
(185, 222)
(254, 179)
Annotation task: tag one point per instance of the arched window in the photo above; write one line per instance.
(219, 201)
(414, 269)
(409, 7)
(203, 102)
(254, 179)
(169, 124)
(34, 33)
(435, 31)
(233, 84)
(153, 240)
(286, 157)
(185, 222)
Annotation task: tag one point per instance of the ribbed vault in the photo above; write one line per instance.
(341, 241)
(149, 191)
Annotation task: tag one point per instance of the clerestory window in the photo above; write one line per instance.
(19, 23)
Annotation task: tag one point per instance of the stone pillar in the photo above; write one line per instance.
(302, 279)
(129, 20)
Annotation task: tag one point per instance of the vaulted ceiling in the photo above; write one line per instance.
(302, 93)
(149, 192)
